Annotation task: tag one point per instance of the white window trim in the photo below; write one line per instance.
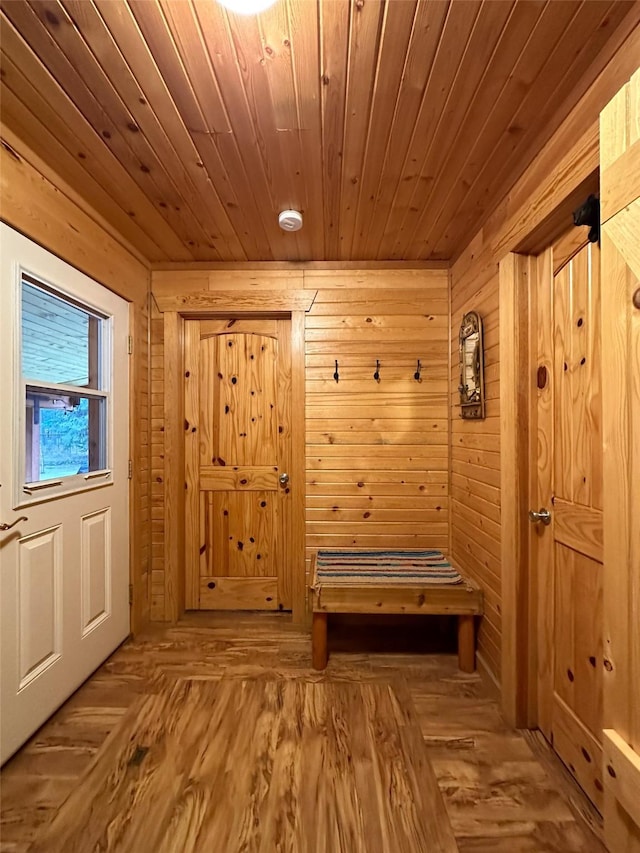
(27, 494)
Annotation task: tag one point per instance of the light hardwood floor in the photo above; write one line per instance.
(218, 729)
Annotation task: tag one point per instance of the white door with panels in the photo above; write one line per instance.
(64, 449)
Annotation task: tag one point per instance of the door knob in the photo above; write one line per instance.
(17, 521)
(543, 515)
(284, 479)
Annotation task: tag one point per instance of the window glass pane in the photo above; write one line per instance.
(64, 434)
(60, 341)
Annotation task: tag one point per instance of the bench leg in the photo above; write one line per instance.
(466, 644)
(319, 650)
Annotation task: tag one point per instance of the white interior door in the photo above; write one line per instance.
(64, 519)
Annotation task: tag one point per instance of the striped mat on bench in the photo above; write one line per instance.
(385, 568)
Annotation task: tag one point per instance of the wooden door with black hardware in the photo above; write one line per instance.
(567, 552)
(237, 458)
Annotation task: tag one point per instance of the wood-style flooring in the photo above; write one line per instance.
(216, 735)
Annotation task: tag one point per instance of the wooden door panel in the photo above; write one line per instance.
(562, 408)
(572, 546)
(239, 535)
(237, 444)
(578, 527)
(579, 750)
(577, 398)
(239, 594)
(248, 479)
(578, 659)
(238, 407)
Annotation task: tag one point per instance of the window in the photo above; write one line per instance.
(64, 344)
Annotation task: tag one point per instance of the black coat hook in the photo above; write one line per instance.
(416, 375)
(336, 375)
(376, 375)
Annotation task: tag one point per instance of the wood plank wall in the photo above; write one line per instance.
(39, 204)
(537, 209)
(377, 452)
(475, 456)
(156, 378)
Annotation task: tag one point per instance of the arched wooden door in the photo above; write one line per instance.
(237, 463)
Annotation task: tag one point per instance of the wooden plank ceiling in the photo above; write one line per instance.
(394, 126)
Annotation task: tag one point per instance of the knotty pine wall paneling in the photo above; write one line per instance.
(377, 451)
(156, 379)
(376, 465)
(535, 211)
(475, 459)
(37, 202)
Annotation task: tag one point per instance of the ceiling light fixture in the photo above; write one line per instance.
(246, 7)
(290, 220)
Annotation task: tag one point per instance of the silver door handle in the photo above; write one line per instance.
(17, 521)
(284, 479)
(543, 515)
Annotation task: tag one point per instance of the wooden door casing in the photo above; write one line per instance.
(567, 555)
(237, 444)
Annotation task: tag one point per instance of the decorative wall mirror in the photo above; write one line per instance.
(471, 385)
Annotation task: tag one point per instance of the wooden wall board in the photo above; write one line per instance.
(297, 532)
(157, 609)
(140, 452)
(173, 466)
(31, 192)
(234, 301)
(356, 325)
(170, 282)
(481, 475)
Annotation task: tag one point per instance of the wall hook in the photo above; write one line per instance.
(416, 375)
(376, 375)
(336, 375)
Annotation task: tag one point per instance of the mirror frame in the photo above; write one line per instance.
(472, 408)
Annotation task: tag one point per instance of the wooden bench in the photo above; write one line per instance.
(463, 599)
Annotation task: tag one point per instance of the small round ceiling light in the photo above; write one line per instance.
(290, 220)
(246, 7)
